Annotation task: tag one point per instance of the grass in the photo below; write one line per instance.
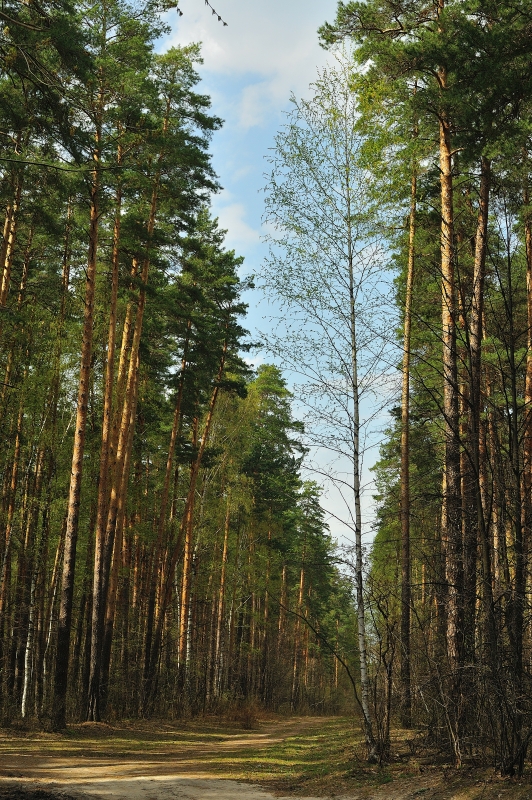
(324, 760)
(318, 757)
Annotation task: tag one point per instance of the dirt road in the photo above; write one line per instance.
(165, 787)
(88, 765)
(215, 759)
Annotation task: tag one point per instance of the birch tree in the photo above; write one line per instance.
(325, 271)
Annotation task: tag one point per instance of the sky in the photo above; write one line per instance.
(268, 51)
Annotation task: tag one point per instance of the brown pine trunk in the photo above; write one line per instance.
(176, 427)
(49, 619)
(48, 610)
(10, 512)
(32, 558)
(116, 502)
(185, 585)
(229, 671)
(10, 228)
(521, 740)
(451, 507)
(218, 664)
(11, 358)
(69, 559)
(5, 577)
(475, 427)
(163, 508)
(294, 694)
(37, 558)
(406, 598)
(264, 677)
(84, 615)
(451, 513)
(151, 657)
(105, 461)
(110, 617)
(527, 455)
(124, 606)
(282, 614)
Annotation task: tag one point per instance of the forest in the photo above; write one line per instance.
(163, 552)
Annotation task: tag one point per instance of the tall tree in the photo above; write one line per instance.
(324, 267)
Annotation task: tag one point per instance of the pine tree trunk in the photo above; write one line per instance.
(116, 501)
(110, 616)
(152, 657)
(527, 437)
(218, 663)
(475, 432)
(518, 752)
(49, 616)
(10, 234)
(451, 512)
(69, 559)
(294, 694)
(406, 599)
(105, 455)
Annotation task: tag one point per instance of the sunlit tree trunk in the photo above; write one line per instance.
(10, 235)
(120, 475)
(69, 559)
(176, 550)
(294, 694)
(218, 655)
(406, 598)
(105, 451)
(475, 427)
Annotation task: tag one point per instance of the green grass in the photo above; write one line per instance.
(317, 760)
(318, 753)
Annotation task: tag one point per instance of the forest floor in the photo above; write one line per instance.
(213, 759)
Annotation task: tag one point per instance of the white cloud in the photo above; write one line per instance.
(271, 46)
(256, 102)
(255, 361)
(232, 217)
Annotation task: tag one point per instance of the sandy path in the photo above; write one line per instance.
(176, 773)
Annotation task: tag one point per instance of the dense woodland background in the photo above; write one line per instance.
(161, 553)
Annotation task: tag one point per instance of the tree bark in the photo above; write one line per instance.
(527, 450)
(105, 461)
(475, 427)
(406, 598)
(69, 558)
(451, 509)
(151, 657)
(218, 663)
(10, 233)
(371, 745)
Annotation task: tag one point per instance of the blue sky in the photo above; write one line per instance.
(268, 51)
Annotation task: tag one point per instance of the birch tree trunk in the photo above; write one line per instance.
(371, 745)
